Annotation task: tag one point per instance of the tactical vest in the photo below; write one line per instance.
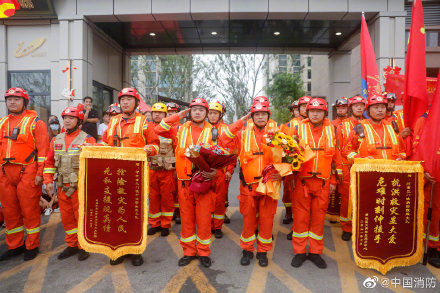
(372, 145)
(22, 150)
(165, 159)
(67, 161)
(133, 136)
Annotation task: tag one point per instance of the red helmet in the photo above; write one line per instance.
(304, 100)
(376, 99)
(114, 109)
(17, 92)
(317, 103)
(73, 112)
(261, 99)
(356, 99)
(199, 102)
(260, 107)
(171, 106)
(129, 91)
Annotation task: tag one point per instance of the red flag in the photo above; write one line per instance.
(369, 73)
(8, 7)
(429, 145)
(415, 102)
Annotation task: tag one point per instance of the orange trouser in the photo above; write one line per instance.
(288, 190)
(252, 204)
(310, 201)
(220, 189)
(435, 215)
(69, 207)
(161, 207)
(20, 198)
(344, 189)
(175, 190)
(195, 212)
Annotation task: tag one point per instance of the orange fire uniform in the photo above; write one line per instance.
(310, 199)
(22, 159)
(342, 133)
(69, 205)
(162, 182)
(290, 128)
(195, 208)
(254, 156)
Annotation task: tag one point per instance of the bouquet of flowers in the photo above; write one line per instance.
(206, 157)
(292, 154)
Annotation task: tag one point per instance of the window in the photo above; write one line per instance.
(309, 86)
(309, 74)
(432, 39)
(102, 97)
(37, 84)
(282, 63)
(309, 61)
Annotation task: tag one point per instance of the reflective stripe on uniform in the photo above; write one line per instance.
(176, 205)
(431, 238)
(153, 216)
(167, 214)
(300, 235)
(252, 238)
(3, 120)
(15, 230)
(49, 170)
(206, 132)
(24, 124)
(316, 237)
(229, 133)
(247, 144)
(33, 231)
(165, 140)
(164, 125)
(206, 242)
(288, 204)
(218, 217)
(329, 132)
(155, 147)
(137, 124)
(188, 239)
(392, 134)
(41, 159)
(73, 231)
(183, 138)
(112, 127)
(339, 171)
(342, 219)
(370, 136)
(351, 155)
(266, 241)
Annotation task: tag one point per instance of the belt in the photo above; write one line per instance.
(383, 148)
(258, 154)
(317, 149)
(314, 173)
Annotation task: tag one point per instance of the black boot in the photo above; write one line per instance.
(433, 257)
(205, 261)
(317, 260)
(12, 252)
(289, 236)
(153, 230)
(346, 236)
(68, 252)
(30, 254)
(186, 259)
(333, 222)
(246, 258)
(262, 259)
(177, 219)
(298, 260)
(218, 233)
(165, 232)
(83, 255)
(288, 216)
(117, 261)
(137, 260)
(227, 220)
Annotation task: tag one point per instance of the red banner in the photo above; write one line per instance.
(387, 213)
(395, 83)
(113, 191)
(334, 206)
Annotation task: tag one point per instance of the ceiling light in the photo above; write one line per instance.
(152, 34)
(276, 33)
(214, 33)
(338, 33)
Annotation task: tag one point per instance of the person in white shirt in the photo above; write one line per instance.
(104, 125)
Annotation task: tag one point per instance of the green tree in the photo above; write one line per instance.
(283, 90)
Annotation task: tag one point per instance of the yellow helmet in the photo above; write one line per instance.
(159, 107)
(216, 106)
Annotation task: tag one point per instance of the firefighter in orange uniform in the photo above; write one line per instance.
(313, 185)
(258, 210)
(195, 208)
(374, 138)
(434, 230)
(162, 167)
(24, 143)
(263, 100)
(356, 107)
(290, 128)
(131, 129)
(173, 108)
(221, 181)
(396, 117)
(62, 164)
(341, 107)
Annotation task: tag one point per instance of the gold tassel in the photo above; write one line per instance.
(380, 165)
(128, 154)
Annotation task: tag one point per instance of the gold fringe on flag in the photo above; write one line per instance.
(381, 165)
(113, 153)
